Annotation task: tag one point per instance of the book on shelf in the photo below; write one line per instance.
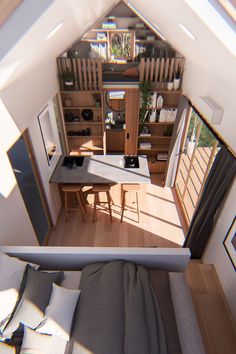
(145, 146)
(145, 134)
(162, 157)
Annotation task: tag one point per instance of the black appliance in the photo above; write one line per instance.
(131, 161)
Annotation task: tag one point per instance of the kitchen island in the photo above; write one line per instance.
(99, 169)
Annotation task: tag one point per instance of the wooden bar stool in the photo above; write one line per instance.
(125, 188)
(77, 189)
(96, 189)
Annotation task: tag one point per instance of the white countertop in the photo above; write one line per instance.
(102, 169)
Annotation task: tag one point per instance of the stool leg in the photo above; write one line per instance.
(81, 204)
(122, 206)
(66, 206)
(109, 204)
(137, 205)
(96, 199)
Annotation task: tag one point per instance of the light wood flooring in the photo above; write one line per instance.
(160, 224)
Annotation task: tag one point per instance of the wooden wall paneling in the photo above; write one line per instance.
(156, 71)
(132, 118)
(75, 73)
(94, 74)
(152, 69)
(99, 65)
(84, 74)
(172, 61)
(80, 74)
(166, 68)
(89, 74)
(141, 70)
(161, 70)
(115, 141)
(147, 67)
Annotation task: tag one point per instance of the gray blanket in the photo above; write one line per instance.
(117, 313)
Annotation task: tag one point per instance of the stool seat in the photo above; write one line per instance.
(101, 188)
(130, 187)
(71, 188)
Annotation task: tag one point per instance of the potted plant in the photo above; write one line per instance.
(68, 77)
(145, 88)
(170, 82)
(179, 70)
(97, 99)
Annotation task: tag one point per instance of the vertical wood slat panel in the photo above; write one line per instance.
(166, 68)
(80, 74)
(141, 70)
(156, 71)
(90, 87)
(94, 75)
(99, 68)
(147, 65)
(161, 69)
(171, 71)
(75, 73)
(152, 69)
(84, 74)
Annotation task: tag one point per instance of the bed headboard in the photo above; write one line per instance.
(171, 259)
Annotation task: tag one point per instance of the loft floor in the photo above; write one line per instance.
(160, 223)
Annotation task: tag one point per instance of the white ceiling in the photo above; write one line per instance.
(31, 45)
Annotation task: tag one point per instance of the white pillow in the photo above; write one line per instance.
(37, 343)
(59, 313)
(11, 273)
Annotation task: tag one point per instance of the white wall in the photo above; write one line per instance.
(24, 99)
(215, 251)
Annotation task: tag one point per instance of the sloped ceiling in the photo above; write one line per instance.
(32, 23)
(23, 36)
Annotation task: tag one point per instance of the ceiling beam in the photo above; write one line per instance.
(7, 8)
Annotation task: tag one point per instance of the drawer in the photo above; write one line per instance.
(157, 166)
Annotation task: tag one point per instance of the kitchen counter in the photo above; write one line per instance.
(102, 169)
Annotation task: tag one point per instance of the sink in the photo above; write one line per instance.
(73, 161)
(131, 161)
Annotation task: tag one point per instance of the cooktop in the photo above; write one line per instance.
(131, 161)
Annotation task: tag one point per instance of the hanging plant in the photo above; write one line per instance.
(145, 88)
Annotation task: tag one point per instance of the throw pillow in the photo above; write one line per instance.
(34, 300)
(59, 313)
(11, 274)
(37, 343)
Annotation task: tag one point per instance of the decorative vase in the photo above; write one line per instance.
(170, 85)
(176, 84)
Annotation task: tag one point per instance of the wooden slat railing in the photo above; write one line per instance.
(87, 73)
(159, 70)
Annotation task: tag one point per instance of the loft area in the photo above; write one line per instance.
(129, 51)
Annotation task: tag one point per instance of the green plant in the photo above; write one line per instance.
(121, 45)
(68, 75)
(145, 88)
(168, 131)
(179, 70)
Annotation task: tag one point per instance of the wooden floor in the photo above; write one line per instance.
(159, 226)
(215, 321)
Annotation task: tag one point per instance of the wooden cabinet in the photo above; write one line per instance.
(132, 120)
(83, 121)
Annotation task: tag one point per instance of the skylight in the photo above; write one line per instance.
(229, 7)
(215, 22)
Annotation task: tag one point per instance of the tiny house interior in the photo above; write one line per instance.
(88, 85)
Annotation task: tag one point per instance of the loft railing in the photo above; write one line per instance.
(160, 71)
(86, 73)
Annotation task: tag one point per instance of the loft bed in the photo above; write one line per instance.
(131, 300)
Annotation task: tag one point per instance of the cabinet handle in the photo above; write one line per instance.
(127, 136)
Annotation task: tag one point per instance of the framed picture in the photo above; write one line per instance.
(47, 133)
(230, 243)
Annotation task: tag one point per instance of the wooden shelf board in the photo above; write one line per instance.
(145, 40)
(82, 107)
(90, 40)
(82, 91)
(90, 149)
(83, 123)
(155, 137)
(158, 123)
(110, 30)
(84, 136)
(155, 149)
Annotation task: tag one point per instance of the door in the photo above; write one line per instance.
(20, 158)
(131, 121)
(199, 152)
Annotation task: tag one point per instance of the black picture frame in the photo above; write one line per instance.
(230, 243)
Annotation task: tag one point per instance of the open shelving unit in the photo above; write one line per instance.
(84, 137)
